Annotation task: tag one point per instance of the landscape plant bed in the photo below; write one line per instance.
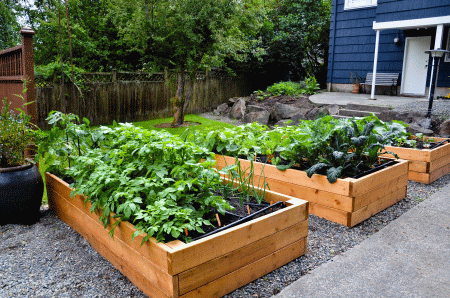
(348, 201)
(426, 165)
(208, 267)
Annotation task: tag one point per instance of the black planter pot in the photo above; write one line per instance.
(21, 190)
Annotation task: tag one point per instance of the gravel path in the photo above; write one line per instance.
(49, 259)
(441, 108)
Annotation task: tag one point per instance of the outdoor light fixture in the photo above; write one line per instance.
(436, 54)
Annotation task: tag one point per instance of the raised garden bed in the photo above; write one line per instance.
(349, 201)
(425, 165)
(209, 267)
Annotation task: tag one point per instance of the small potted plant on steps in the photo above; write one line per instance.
(21, 185)
(356, 81)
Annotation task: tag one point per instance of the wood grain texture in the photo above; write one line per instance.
(209, 271)
(320, 182)
(244, 275)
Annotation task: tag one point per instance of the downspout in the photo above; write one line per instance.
(333, 44)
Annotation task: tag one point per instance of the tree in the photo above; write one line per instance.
(293, 40)
(9, 27)
(185, 35)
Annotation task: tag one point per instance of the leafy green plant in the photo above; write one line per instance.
(17, 134)
(311, 86)
(355, 78)
(285, 88)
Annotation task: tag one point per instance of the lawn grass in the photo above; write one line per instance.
(204, 124)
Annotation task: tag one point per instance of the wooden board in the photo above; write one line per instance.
(332, 214)
(419, 166)
(436, 174)
(209, 271)
(184, 257)
(377, 206)
(419, 177)
(320, 182)
(244, 275)
(374, 180)
(149, 278)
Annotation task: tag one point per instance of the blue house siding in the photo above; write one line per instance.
(398, 10)
(352, 43)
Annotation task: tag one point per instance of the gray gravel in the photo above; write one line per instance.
(49, 259)
(441, 108)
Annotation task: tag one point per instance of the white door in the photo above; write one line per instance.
(415, 65)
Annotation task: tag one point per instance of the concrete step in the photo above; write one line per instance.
(341, 116)
(356, 113)
(358, 107)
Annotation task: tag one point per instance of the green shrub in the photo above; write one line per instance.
(285, 88)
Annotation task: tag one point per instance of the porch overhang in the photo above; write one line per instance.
(412, 24)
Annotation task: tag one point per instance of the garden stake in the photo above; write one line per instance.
(185, 231)
(248, 209)
(218, 220)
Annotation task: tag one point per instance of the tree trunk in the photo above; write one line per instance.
(182, 98)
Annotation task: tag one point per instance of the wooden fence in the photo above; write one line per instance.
(17, 65)
(128, 97)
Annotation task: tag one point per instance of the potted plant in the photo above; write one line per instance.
(21, 185)
(356, 81)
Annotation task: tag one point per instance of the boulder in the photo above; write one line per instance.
(221, 109)
(444, 129)
(416, 128)
(407, 117)
(317, 112)
(300, 115)
(238, 109)
(284, 122)
(283, 111)
(260, 117)
(333, 109)
(255, 108)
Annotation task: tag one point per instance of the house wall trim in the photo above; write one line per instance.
(411, 24)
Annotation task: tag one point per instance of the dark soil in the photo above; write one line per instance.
(421, 145)
(239, 213)
(297, 101)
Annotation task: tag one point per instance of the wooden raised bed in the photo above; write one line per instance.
(425, 165)
(208, 267)
(349, 201)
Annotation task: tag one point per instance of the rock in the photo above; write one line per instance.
(260, 117)
(238, 109)
(317, 112)
(283, 111)
(444, 129)
(333, 109)
(255, 108)
(300, 115)
(416, 128)
(221, 109)
(410, 117)
(427, 123)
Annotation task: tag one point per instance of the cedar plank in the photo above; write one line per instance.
(380, 192)
(332, 214)
(253, 271)
(419, 177)
(439, 163)
(408, 153)
(440, 152)
(198, 252)
(418, 166)
(436, 174)
(341, 186)
(214, 269)
(120, 255)
(377, 206)
(374, 180)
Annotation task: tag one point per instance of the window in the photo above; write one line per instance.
(352, 4)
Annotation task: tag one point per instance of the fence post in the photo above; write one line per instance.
(117, 100)
(28, 72)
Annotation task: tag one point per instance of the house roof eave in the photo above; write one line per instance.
(412, 23)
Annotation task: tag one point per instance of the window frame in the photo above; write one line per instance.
(348, 6)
